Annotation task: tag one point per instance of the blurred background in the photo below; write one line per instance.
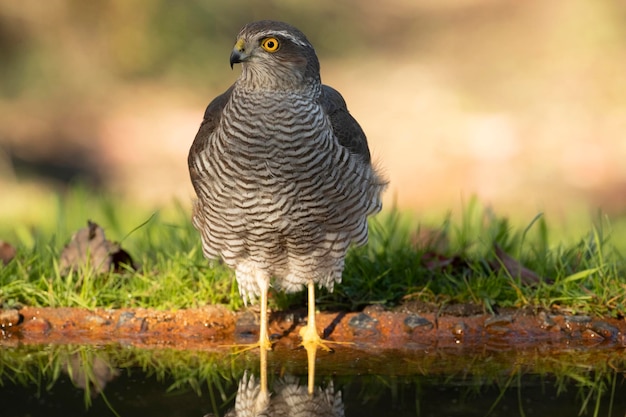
(521, 103)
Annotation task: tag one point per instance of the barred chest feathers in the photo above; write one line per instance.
(280, 195)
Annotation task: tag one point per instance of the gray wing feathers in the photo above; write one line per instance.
(345, 127)
(212, 116)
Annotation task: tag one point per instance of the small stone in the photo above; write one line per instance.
(459, 329)
(364, 327)
(573, 323)
(125, 318)
(606, 330)
(96, 320)
(9, 318)
(498, 330)
(36, 325)
(414, 321)
(591, 336)
(129, 322)
(363, 322)
(498, 321)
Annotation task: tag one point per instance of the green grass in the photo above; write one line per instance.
(580, 276)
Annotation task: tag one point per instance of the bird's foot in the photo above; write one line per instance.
(244, 347)
(312, 340)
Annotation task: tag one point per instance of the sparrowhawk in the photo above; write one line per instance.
(289, 399)
(282, 173)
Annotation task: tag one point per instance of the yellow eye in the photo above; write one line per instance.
(270, 44)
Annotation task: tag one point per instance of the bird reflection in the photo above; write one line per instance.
(289, 397)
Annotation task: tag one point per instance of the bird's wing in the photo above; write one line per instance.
(212, 116)
(345, 127)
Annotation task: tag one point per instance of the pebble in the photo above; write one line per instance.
(36, 325)
(498, 330)
(574, 322)
(125, 318)
(459, 329)
(363, 322)
(606, 330)
(413, 321)
(96, 320)
(498, 320)
(590, 335)
(9, 318)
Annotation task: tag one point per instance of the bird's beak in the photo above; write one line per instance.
(239, 53)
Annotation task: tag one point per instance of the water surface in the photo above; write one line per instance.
(111, 380)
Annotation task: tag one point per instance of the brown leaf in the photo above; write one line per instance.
(7, 252)
(89, 247)
(91, 374)
(435, 247)
(514, 267)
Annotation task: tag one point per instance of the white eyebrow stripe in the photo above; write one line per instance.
(284, 34)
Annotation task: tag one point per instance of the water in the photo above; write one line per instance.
(120, 380)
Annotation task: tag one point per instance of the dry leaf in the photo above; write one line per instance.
(91, 374)
(514, 267)
(7, 252)
(89, 247)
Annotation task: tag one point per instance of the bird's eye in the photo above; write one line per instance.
(270, 44)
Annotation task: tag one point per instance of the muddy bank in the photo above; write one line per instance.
(214, 327)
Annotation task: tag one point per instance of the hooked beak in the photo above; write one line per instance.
(238, 54)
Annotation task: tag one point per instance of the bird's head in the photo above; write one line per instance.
(275, 55)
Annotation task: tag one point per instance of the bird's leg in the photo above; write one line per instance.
(310, 337)
(264, 339)
(311, 352)
(263, 369)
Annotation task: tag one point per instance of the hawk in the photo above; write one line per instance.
(282, 172)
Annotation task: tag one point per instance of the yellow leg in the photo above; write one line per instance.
(263, 369)
(264, 339)
(311, 352)
(310, 337)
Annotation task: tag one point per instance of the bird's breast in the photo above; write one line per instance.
(276, 136)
